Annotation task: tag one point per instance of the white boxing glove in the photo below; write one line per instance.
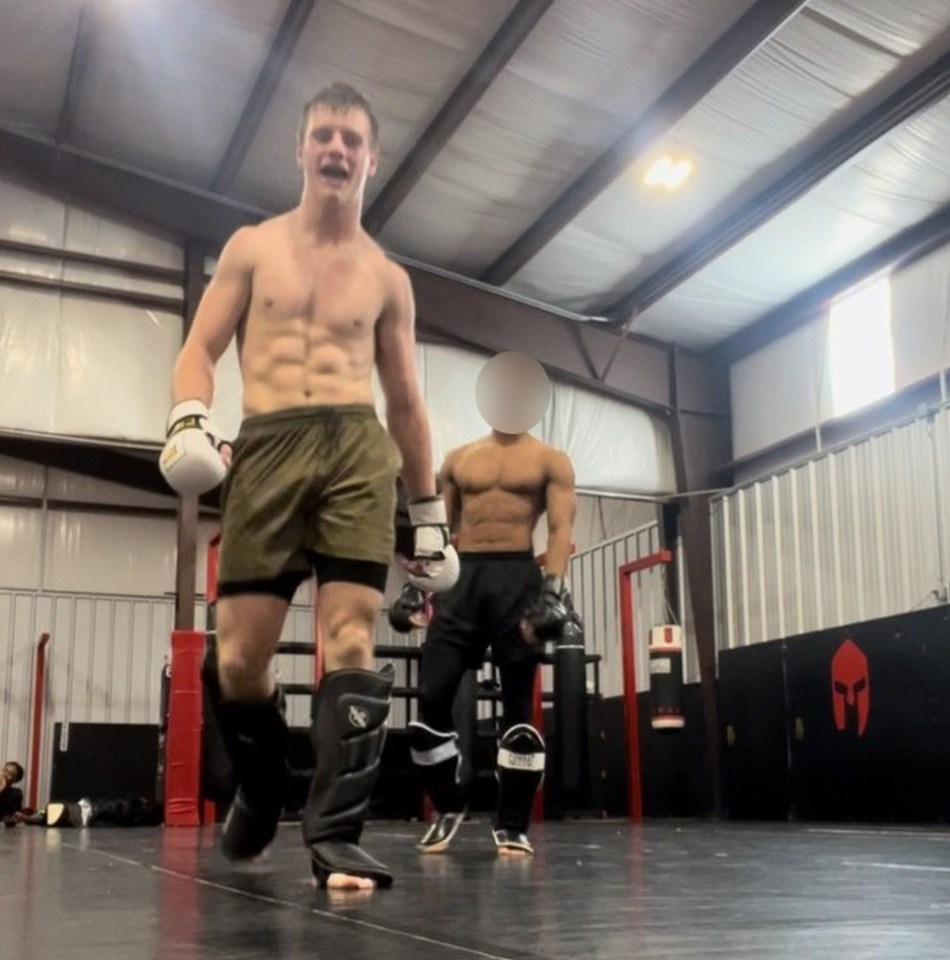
(191, 461)
(434, 564)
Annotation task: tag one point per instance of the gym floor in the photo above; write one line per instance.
(598, 889)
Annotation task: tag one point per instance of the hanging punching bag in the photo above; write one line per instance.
(570, 716)
(666, 678)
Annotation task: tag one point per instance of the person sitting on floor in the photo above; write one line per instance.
(11, 797)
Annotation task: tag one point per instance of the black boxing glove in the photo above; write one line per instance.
(546, 615)
(412, 609)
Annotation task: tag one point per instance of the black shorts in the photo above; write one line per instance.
(485, 607)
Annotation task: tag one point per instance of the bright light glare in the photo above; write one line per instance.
(668, 173)
(861, 348)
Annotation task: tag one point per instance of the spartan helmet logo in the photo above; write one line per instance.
(359, 718)
(850, 688)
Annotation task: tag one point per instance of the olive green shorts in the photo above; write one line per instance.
(310, 489)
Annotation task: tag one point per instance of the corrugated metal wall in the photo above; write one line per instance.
(105, 661)
(594, 585)
(851, 535)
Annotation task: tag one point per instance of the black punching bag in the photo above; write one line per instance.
(570, 717)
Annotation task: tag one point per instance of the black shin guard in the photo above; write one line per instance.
(436, 757)
(348, 732)
(255, 737)
(520, 772)
(437, 760)
(218, 776)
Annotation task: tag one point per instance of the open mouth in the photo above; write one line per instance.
(333, 172)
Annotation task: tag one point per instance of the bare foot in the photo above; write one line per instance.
(513, 852)
(343, 881)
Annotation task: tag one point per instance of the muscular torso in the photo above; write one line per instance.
(308, 334)
(501, 488)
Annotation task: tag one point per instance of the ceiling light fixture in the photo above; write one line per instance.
(668, 173)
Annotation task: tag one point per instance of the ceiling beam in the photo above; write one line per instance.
(912, 243)
(135, 469)
(502, 46)
(170, 205)
(77, 68)
(755, 26)
(721, 229)
(458, 311)
(451, 307)
(288, 33)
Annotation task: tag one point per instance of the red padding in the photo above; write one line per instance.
(537, 710)
(183, 744)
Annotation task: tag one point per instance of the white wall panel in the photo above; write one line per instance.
(615, 447)
(95, 232)
(18, 478)
(785, 388)
(920, 307)
(851, 535)
(80, 367)
(110, 553)
(29, 358)
(781, 390)
(116, 369)
(30, 216)
(76, 366)
(21, 546)
(16, 623)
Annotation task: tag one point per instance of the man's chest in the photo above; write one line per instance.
(499, 470)
(326, 290)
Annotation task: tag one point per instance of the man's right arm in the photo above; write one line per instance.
(221, 309)
(195, 457)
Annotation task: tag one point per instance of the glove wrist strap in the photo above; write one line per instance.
(184, 410)
(554, 584)
(428, 513)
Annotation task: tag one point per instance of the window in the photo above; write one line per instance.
(860, 348)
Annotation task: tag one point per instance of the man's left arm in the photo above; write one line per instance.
(405, 411)
(434, 562)
(561, 507)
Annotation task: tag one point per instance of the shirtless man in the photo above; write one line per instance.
(496, 490)
(314, 303)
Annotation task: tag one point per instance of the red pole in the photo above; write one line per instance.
(537, 718)
(211, 568)
(627, 649)
(36, 734)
